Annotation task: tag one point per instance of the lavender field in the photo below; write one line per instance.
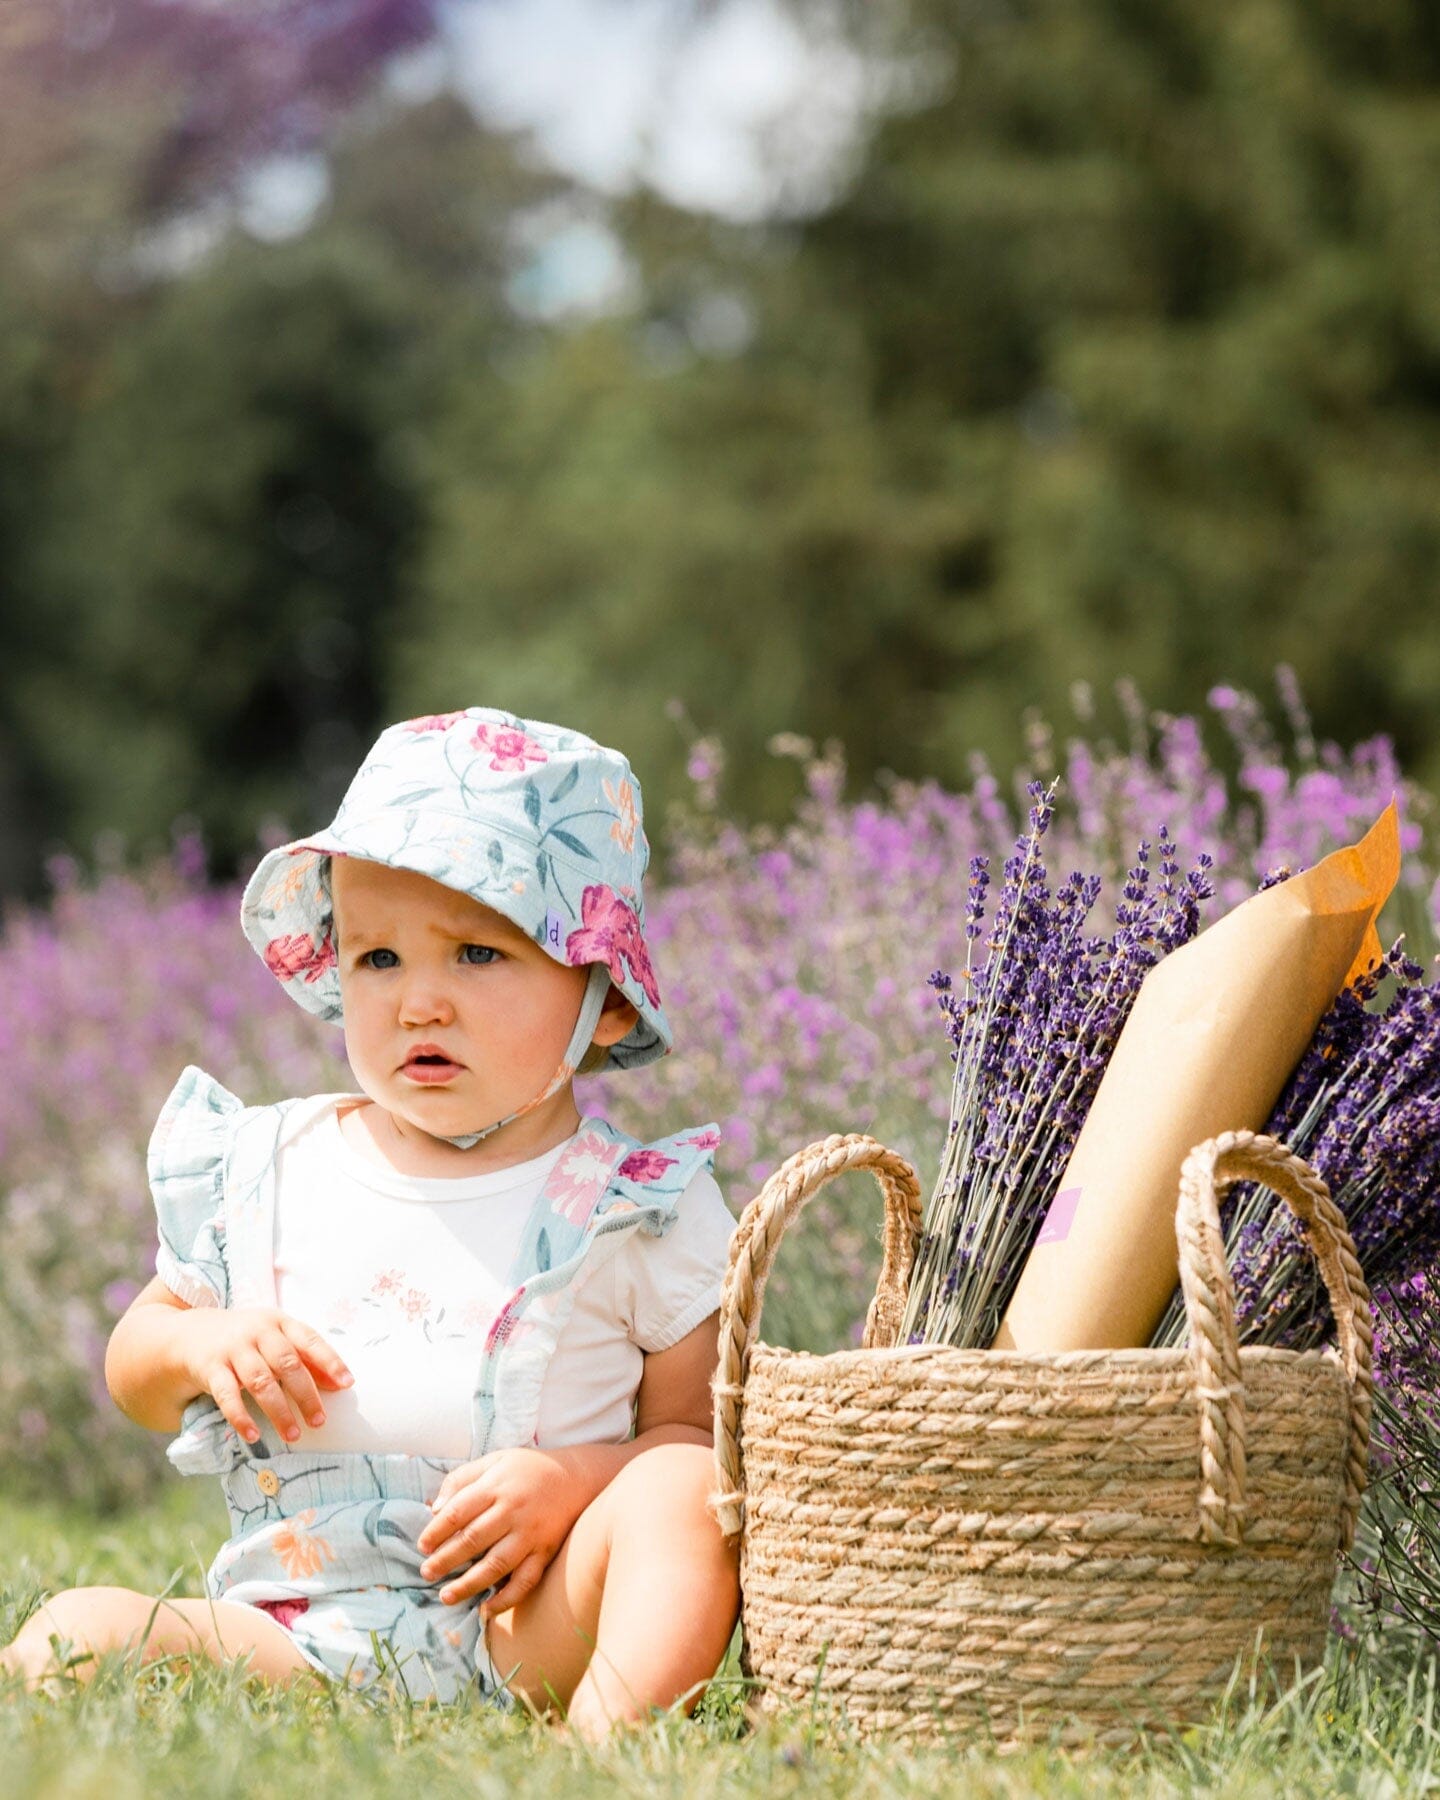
(793, 962)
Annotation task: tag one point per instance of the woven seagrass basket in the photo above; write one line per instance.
(948, 1541)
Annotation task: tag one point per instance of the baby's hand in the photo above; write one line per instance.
(266, 1353)
(511, 1510)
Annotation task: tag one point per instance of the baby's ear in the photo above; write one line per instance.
(618, 1016)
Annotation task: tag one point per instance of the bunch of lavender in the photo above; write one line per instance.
(1397, 1549)
(1032, 1030)
(1363, 1106)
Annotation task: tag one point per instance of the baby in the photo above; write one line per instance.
(447, 1345)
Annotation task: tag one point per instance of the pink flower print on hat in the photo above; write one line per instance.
(702, 1140)
(297, 953)
(646, 1165)
(634, 951)
(581, 1177)
(511, 751)
(432, 722)
(604, 920)
(610, 933)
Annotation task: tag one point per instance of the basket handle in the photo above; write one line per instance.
(1208, 1171)
(752, 1253)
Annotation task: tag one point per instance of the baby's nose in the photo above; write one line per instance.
(425, 1004)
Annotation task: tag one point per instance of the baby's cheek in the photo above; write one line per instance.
(361, 1049)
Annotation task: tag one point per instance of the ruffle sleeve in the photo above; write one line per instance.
(667, 1286)
(186, 1166)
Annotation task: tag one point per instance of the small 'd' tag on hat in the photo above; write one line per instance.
(555, 934)
(1060, 1217)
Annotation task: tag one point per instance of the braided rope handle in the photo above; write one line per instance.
(1208, 1171)
(752, 1255)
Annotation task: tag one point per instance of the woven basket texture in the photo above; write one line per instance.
(955, 1542)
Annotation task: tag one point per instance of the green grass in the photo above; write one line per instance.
(1365, 1726)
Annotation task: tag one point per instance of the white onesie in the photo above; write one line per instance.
(403, 1276)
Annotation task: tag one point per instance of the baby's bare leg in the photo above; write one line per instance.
(638, 1605)
(89, 1622)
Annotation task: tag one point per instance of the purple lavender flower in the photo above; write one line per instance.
(1397, 1551)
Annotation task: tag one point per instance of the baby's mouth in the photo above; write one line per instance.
(429, 1065)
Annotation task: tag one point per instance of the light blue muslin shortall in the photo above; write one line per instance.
(326, 1542)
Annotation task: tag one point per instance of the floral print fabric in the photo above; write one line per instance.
(542, 824)
(326, 1546)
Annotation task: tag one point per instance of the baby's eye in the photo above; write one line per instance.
(479, 956)
(379, 959)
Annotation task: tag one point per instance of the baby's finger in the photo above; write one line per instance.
(457, 1479)
(516, 1586)
(256, 1377)
(327, 1364)
(492, 1567)
(457, 1541)
(459, 1509)
(288, 1367)
(225, 1392)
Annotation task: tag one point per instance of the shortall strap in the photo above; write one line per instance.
(604, 1187)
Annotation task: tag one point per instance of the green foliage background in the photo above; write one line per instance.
(1117, 355)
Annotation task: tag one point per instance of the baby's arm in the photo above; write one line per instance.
(514, 1508)
(164, 1354)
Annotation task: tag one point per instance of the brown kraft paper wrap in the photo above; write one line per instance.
(1215, 1032)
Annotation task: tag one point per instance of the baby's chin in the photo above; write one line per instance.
(429, 1112)
(449, 1119)
(440, 1114)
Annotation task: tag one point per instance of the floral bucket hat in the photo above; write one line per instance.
(542, 824)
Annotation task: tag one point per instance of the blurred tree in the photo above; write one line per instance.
(216, 597)
(1180, 264)
(614, 528)
(31, 434)
(208, 503)
(121, 117)
(229, 533)
(1119, 356)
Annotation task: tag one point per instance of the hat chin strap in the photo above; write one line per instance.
(596, 988)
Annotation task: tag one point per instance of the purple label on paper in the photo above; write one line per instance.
(555, 933)
(1060, 1217)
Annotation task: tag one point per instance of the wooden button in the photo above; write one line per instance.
(268, 1483)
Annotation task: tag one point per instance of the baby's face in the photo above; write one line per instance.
(454, 1018)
